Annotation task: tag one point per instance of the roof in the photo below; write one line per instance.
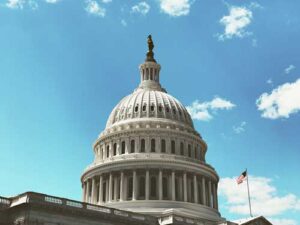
(251, 219)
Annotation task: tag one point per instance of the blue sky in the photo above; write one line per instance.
(65, 64)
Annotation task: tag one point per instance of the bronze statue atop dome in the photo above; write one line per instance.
(150, 54)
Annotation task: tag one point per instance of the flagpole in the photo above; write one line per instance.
(249, 194)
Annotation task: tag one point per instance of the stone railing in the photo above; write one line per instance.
(32, 197)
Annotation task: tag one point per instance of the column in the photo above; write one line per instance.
(217, 205)
(115, 188)
(184, 188)
(101, 189)
(88, 191)
(119, 147)
(107, 191)
(160, 185)
(209, 194)
(127, 145)
(121, 186)
(110, 191)
(147, 185)
(83, 191)
(203, 191)
(158, 145)
(101, 152)
(173, 186)
(125, 191)
(111, 149)
(214, 195)
(93, 199)
(134, 188)
(195, 189)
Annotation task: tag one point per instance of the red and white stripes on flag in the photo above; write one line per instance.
(242, 177)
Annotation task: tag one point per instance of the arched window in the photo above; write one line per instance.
(153, 187)
(189, 150)
(195, 152)
(181, 148)
(151, 73)
(143, 145)
(123, 147)
(142, 188)
(152, 108)
(115, 148)
(173, 147)
(147, 73)
(136, 108)
(163, 145)
(152, 145)
(107, 151)
(132, 146)
(160, 108)
(144, 107)
(167, 109)
(165, 188)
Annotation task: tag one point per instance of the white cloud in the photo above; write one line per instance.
(106, 1)
(281, 102)
(264, 197)
(123, 22)
(142, 8)
(269, 81)
(240, 128)
(203, 110)
(175, 7)
(52, 1)
(33, 4)
(289, 69)
(94, 8)
(236, 22)
(20, 4)
(15, 4)
(275, 221)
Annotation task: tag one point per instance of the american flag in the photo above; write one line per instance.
(242, 177)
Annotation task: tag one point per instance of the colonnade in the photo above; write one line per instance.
(153, 184)
(149, 144)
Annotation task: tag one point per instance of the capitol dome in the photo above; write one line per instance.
(150, 159)
(149, 104)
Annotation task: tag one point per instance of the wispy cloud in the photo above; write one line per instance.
(204, 110)
(265, 199)
(15, 4)
(142, 8)
(106, 1)
(123, 22)
(283, 221)
(235, 23)
(281, 102)
(175, 7)
(20, 4)
(52, 1)
(269, 81)
(289, 69)
(240, 128)
(95, 9)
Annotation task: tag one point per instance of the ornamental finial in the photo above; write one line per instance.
(150, 54)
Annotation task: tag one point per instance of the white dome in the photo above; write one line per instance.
(150, 159)
(149, 103)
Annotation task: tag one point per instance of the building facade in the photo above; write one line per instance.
(149, 158)
(149, 168)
